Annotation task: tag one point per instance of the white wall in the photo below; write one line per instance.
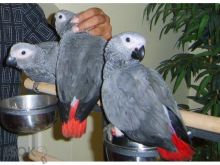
(124, 17)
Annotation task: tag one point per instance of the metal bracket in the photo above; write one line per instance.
(204, 134)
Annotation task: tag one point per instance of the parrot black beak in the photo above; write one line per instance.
(138, 54)
(11, 61)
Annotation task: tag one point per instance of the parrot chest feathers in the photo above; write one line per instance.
(112, 66)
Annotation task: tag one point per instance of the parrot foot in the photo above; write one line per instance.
(116, 132)
(108, 130)
(35, 86)
(112, 131)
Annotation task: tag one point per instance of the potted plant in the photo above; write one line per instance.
(199, 26)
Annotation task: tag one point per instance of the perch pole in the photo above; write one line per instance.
(191, 119)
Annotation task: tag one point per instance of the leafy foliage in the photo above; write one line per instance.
(198, 24)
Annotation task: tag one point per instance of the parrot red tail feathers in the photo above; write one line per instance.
(184, 151)
(74, 128)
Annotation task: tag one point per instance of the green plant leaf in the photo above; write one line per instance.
(216, 82)
(167, 11)
(188, 78)
(205, 53)
(189, 30)
(203, 25)
(179, 80)
(204, 92)
(205, 81)
(156, 15)
(207, 107)
(202, 74)
(217, 7)
(148, 9)
(165, 74)
(160, 6)
(216, 109)
(201, 100)
(165, 29)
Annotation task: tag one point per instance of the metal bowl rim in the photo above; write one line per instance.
(23, 112)
(31, 111)
(144, 149)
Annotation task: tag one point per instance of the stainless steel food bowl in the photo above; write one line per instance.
(27, 114)
(123, 149)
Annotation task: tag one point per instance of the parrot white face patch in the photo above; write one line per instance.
(60, 17)
(132, 42)
(23, 53)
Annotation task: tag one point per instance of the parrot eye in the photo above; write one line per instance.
(60, 16)
(23, 52)
(128, 39)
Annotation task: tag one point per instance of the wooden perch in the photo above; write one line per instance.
(42, 87)
(191, 119)
(200, 121)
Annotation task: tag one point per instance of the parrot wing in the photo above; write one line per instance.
(162, 90)
(50, 50)
(164, 95)
(79, 70)
(132, 103)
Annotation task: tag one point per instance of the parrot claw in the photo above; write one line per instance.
(116, 132)
(112, 131)
(108, 130)
(35, 87)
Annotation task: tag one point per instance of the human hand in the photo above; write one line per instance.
(94, 21)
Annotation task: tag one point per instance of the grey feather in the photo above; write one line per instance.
(37, 61)
(79, 71)
(134, 97)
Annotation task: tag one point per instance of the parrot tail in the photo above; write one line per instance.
(183, 150)
(73, 128)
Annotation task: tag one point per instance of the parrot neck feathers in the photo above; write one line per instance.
(108, 70)
(111, 66)
(113, 63)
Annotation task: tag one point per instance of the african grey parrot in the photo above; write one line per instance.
(79, 75)
(137, 101)
(38, 61)
(63, 21)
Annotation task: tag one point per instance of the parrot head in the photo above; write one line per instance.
(63, 21)
(127, 46)
(22, 55)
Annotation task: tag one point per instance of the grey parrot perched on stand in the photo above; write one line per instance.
(137, 101)
(38, 61)
(78, 73)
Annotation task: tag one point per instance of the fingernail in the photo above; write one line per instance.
(75, 29)
(75, 20)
